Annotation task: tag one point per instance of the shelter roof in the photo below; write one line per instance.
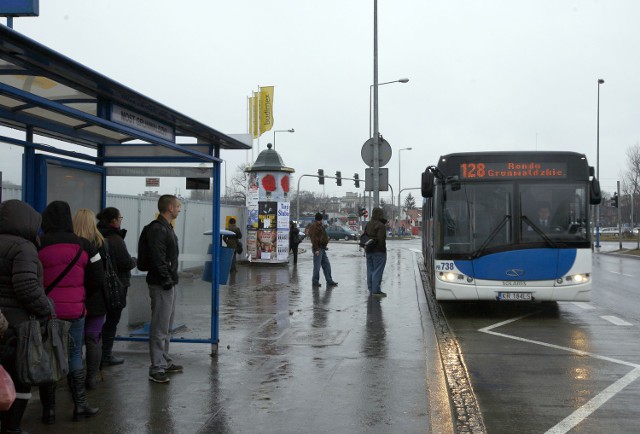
(63, 99)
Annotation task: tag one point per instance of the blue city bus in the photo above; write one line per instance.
(509, 226)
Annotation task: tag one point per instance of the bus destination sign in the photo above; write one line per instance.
(513, 170)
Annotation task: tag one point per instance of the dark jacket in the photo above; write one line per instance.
(163, 245)
(294, 237)
(318, 236)
(376, 229)
(120, 256)
(232, 242)
(21, 274)
(58, 246)
(96, 302)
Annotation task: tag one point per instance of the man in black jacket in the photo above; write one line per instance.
(162, 279)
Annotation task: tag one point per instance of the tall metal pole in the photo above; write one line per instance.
(600, 81)
(400, 186)
(619, 215)
(376, 135)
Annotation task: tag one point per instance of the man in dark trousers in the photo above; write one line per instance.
(162, 279)
(319, 241)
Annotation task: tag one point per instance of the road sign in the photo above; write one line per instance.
(383, 177)
(384, 154)
(152, 182)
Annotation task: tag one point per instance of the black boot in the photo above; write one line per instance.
(48, 401)
(81, 409)
(13, 417)
(109, 359)
(94, 357)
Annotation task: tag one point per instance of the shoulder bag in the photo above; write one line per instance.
(366, 242)
(42, 350)
(113, 287)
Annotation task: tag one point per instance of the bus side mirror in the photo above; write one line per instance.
(427, 183)
(595, 196)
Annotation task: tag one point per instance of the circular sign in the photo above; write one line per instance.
(384, 153)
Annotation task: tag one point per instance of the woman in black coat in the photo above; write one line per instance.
(294, 241)
(109, 222)
(21, 292)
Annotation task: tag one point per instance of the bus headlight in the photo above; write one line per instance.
(454, 277)
(577, 278)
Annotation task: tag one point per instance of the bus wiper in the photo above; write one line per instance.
(538, 231)
(491, 236)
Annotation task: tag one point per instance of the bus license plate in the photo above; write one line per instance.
(514, 296)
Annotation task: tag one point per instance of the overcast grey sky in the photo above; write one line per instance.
(484, 74)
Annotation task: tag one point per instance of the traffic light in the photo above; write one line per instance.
(339, 178)
(356, 180)
(320, 176)
(614, 200)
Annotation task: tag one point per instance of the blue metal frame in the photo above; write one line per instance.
(34, 59)
(41, 164)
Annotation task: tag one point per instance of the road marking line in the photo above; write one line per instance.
(592, 405)
(615, 320)
(583, 305)
(621, 274)
(585, 411)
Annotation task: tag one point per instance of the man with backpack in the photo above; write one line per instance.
(158, 254)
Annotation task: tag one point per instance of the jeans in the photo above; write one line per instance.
(163, 306)
(76, 339)
(321, 260)
(375, 267)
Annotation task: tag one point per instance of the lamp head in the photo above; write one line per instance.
(403, 80)
(600, 81)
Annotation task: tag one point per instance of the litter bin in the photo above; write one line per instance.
(226, 255)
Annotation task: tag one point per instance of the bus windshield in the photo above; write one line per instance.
(477, 218)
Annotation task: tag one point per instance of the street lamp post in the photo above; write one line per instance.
(290, 130)
(400, 80)
(600, 81)
(400, 187)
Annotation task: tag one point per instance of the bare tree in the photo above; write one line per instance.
(239, 182)
(631, 178)
(631, 182)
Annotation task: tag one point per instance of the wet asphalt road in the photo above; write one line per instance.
(292, 359)
(557, 367)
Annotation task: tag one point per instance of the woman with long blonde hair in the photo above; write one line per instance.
(84, 225)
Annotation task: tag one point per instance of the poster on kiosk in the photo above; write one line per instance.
(268, 210)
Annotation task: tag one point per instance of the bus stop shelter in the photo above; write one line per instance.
(100, 128)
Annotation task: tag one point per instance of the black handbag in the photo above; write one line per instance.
(42, 350)
(366, 242)
(113, 287)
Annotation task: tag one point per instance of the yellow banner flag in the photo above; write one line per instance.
(254, 115)
(266, 108)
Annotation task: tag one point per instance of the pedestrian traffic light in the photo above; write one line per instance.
(356, 180)
(320, 176)
(361, 211)
(339, 178)
(614, 200)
